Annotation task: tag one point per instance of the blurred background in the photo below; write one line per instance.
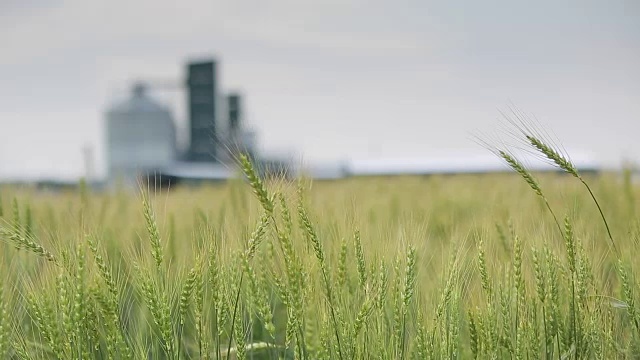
(119, 89)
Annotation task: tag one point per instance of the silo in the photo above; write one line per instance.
(141, 137)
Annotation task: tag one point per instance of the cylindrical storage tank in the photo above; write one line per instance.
(141, 137)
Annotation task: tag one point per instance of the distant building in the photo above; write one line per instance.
(233, 138)
(202, 87)
(141, 136)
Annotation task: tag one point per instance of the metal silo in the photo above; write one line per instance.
(141, 137)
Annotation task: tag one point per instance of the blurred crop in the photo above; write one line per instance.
(515, 265)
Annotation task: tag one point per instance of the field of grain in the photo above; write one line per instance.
(465, 266)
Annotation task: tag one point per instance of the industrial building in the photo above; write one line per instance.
(202, 83)
(141, 133)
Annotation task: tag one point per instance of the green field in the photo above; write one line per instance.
(466, 266)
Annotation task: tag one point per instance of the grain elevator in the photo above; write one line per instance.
(141, 132)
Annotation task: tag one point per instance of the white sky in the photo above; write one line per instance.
(330, 79)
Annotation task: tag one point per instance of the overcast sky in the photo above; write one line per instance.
(330, 79)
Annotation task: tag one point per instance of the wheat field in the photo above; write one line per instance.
(516, 265)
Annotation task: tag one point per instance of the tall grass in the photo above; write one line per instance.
(440, 267)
